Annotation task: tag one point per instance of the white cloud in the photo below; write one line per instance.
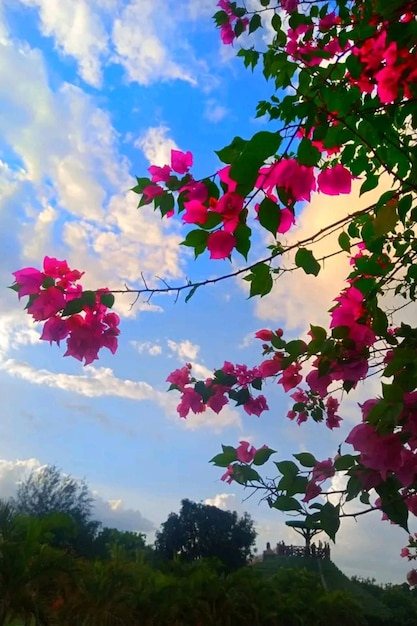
(185, 350)
(78, 32)
(113, 514)
(224, 501)
(153, 349)
(157, 145)
(140, 36)
(215, 112)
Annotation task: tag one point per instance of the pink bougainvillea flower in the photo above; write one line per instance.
(256, 406)
(287, 220)
(378, 452)
(195, 212)
(223, 174)
(264, 334)
(297, 180)
(335, 180)
(152, 191)
(181, 161)
(245, 452)
(159, 174)
(312, 491)
(323, 470)
(195, 190)
(270, 367)
(190, 401)
(29, 280)
(228, 475)
(412, 578)
(218, 400)
(405, 552)
(59, 270)
(289, 5)
(55, 329)
(227, 34)
(318, 383)
(229, 206)
(291, 377)
(180, 377)
(220, 244)
(47, 304)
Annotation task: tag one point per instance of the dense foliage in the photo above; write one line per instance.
(200, 531)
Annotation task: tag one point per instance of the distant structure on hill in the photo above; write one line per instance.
(319, 551)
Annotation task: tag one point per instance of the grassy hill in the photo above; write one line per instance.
(332, 578)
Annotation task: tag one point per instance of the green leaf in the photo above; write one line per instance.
(306, 459)
(196, 239)
(344, 462)
(370, 183)
(74, 306)
(191, 293)
(269, 215)
(107, 299)
(224, 459)
(260, 279)
(307, 154)
(344, 241)
(262, 456)
(232, 151)
(304, 258)
(286, 503)
(244, 473)
(242, 235)
(329, 519)
(386, 220)
(287, 468)
(255, 23)
(48, 282)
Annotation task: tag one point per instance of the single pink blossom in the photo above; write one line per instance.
(180, 377)
(256, 406)
(190, 401)
(287, 220)
(181, 161)
(264, 334)
(152, 191)
(412, 578)
(220, 244)
(323, 470)
(228, 475)
(49, 302)
(245, 452)
(405, 552)
(335, 180)
(195, 212)
(230, 207)
(312, 491)
(159, 174)
(291, 377)
(289, 5)
(223, 174)
(55, 329)
(29, 280)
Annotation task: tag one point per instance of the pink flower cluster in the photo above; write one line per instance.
(353, 352)
(321, 472)
(51, 293)
(298, 181)
(227, 30)
(215, 394)
(306, 46)
(387, 66)
(245, 453)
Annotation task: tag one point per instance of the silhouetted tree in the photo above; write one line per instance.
(47, 491)
(203, 531)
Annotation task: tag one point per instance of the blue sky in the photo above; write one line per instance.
(92, 93)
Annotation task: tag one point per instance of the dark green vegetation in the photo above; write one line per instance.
(116, 580)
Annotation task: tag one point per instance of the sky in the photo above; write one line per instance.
(92, 94)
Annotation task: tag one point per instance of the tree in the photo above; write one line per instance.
(344, 108)
(111, 542)
(202, 531)
(47, 492)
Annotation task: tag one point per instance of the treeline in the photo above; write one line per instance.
(58, 567)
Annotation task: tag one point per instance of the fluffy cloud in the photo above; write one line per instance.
(225, 501)
(153, 349)
(157, 145)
